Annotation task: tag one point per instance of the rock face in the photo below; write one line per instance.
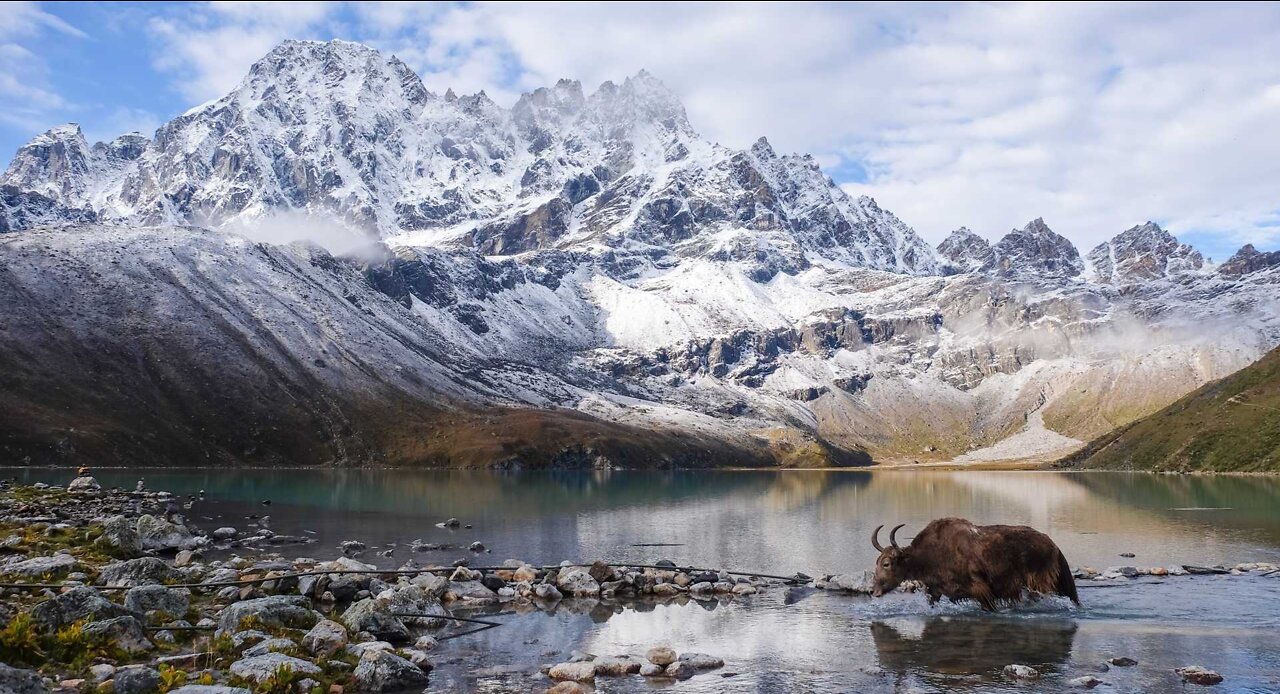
(1036, 252)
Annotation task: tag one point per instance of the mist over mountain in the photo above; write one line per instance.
(334, 264)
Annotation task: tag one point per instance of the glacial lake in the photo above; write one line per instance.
(815, 522)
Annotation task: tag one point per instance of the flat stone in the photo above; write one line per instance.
(260, 667)
(1086, 682)
(584, 671)
(276, 645)
(617, 666)
(701, 661)
(1122, 662)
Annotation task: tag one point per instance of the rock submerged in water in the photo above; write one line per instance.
(1021, 672)
(1086, 682)
(1196, 674)
(1122, 661)
(583, 671)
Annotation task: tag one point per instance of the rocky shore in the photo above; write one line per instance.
(108, 590)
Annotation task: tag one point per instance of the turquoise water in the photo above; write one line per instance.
(815, 522)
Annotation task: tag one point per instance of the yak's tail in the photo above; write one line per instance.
(1066, 582)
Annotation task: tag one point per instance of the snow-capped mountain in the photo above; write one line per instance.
(337, 128)
(578, 279)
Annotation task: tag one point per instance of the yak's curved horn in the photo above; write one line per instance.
(893, 535)
(875, 539)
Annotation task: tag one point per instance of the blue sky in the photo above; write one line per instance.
(1096, 117)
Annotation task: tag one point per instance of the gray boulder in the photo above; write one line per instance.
(119, 538)
(16, 681)
(325, 638)
(290, 611)
(74, 605)
(260, 667)
(701, 661)
(383, 671)
(135, 679)
(374, 616)
(171, 601)
(84, 484)
(160, 535)
(471, 590)
(143, 571)
(577, 583)
(124, 633)
(417, 600)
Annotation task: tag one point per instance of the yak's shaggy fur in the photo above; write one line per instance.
(992, 564)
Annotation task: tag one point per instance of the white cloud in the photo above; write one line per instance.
(28, 97)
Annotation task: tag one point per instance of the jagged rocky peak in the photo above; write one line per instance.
(965, 251)
(124, 148)
(1143, 252)
(53, 164)
(1037, 252)
(1249, 259)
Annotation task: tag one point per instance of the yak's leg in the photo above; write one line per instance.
(981, 592)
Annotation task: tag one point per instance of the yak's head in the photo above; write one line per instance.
(890, 565)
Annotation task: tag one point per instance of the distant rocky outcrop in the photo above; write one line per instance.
(1141, 253)
(1249, 259)
(1036, 252)
(965, 251)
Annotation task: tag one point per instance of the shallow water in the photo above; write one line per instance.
(815, 522)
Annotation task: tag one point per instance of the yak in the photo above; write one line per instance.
(991, 564)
